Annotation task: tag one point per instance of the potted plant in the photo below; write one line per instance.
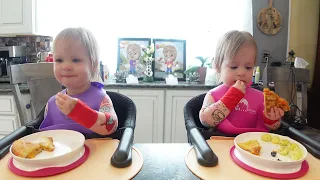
(201, 70)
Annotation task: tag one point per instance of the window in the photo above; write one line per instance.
(199, 22)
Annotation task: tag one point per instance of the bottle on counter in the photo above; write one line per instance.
(253, 74)
(257, 75)
(101, 71)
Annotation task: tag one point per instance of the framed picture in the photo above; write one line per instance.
(130, 55)
(170, 58)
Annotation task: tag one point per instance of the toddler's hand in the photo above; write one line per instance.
(240, 85)
(274, 114)
(65, 103)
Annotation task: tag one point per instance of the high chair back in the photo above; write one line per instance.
(41, 83)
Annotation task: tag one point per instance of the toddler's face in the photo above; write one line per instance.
(72, 66)
(240, 68)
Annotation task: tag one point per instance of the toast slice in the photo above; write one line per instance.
(252, 146)
(25, 149)
(46, 143)
(271, 99)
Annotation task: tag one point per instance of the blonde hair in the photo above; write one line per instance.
(86, 38)
(172, 49)
(229, 45)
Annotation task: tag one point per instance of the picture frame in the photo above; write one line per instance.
(130, 55)
(170, 58)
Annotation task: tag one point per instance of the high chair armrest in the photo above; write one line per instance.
(205, 155)
(6, 142)
(122, 157)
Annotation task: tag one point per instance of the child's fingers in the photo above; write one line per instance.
(64, 96)
(277, 112)
(59, 100)
(281, 112)
(272, 113)
(58, 104)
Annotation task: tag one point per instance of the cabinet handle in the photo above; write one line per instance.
(28, 106)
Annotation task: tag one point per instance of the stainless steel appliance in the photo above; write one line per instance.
(10, 55)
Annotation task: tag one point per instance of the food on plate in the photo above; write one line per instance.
(293, 146)
(46, 143)
(296, 154)
(273, 153)
(284, 150)
(275, 140)
(25, 149)
(271, 99)
(266, 137)
(284, 142)
(252, 146)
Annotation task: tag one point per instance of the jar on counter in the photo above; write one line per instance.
(49, 58)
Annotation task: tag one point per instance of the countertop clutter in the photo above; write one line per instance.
(6, 88)
(160, 84)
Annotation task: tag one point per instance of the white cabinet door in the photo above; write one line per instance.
(7, 106)
(175, 129)
(7, 124)
(150, 108)
(17, 17)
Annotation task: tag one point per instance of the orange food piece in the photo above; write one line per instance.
(271, 99)
(251, 146)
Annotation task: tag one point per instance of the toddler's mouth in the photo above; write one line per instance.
(242, 81)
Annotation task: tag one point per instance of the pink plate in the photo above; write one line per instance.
(304, 169)
(50, 170)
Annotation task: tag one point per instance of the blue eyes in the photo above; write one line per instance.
(58, 60)
(235, 67)
(73, 60)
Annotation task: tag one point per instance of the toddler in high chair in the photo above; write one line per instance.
(234, 107)
(83, 106)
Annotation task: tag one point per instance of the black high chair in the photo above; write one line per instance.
(198, 134)
(42, 85)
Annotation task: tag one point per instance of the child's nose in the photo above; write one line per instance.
(240, 72)
(67, 66)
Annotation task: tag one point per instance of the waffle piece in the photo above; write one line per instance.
(25, 149)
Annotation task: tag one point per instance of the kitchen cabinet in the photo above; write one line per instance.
(9, 118)
(18, 17)
(150, 107)
(175, 130)
(160, 116)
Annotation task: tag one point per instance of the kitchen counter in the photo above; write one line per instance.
(160, 84)
(5, 88)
